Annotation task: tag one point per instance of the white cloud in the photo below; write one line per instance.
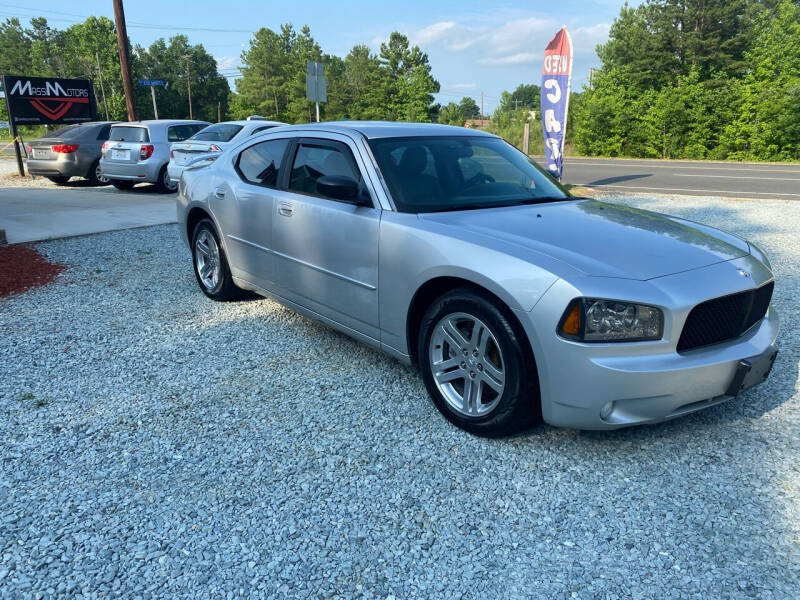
(518, 35)
(453, 36)
(585, 39)
(226, 62)
(520, 58)
(459, 87)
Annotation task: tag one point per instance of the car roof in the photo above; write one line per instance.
(389, 129)
(253, 122)
(162, 122)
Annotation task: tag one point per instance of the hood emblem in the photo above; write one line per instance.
(743, 273)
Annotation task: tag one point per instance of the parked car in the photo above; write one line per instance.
(212, 140)
(138, 152)
(448, 248)
(71, 151)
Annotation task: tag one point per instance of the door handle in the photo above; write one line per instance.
(285, 209)
(219, 193)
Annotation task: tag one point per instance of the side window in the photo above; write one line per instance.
(104, 131)
(260, 164)
(313, 161)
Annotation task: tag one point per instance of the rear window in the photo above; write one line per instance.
(126, 133)
(71, 131)
(217, 133)
(178, 133)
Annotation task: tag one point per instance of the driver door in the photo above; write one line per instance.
(326, 250)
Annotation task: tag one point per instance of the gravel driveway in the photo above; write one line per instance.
(156, 444)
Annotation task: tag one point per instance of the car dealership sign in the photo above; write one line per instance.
(48, 100)
(556, 79)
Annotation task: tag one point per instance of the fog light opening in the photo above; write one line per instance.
(606, 411)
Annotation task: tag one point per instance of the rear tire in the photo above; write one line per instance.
(121, 184)
(211, 265)
(477, 366)
(95, 174)
(164, 184)
(59, 179)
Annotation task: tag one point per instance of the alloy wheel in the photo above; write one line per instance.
(467, 364)
(207, 260)
(98, 174)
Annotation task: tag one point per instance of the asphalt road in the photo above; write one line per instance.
(737, 180)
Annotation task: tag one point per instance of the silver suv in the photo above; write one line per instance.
(138, 152)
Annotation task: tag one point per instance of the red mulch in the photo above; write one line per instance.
(23, 268)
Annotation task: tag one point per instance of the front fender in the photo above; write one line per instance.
(411, 256)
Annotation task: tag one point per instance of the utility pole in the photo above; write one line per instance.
(189, 85)
(591, 77)
(124, 58)
(219, 112)
(102, 87)
(481, 106)
(155, 106)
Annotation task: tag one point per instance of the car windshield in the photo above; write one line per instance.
(221, 132)
(125, 133)
(438, 173)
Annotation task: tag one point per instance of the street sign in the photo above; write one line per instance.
(316, 84)
(152, 82)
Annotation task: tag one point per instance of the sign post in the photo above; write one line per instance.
(46, 101)
(152, 84)
(316, 84)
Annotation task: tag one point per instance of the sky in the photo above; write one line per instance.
(474, 46)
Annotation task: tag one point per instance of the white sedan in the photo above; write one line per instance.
(211, 141)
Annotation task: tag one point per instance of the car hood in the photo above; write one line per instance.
(601, 239)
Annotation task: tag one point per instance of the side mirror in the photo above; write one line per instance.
(340, 187)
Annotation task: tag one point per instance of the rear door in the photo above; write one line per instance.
(326, 250)
(244, 204)
(125, 143)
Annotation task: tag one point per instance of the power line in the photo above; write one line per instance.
(131, 24)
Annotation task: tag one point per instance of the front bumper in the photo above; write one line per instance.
(143, 172)
(643, 382)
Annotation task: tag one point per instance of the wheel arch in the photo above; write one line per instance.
(437, 287)
(193, 217)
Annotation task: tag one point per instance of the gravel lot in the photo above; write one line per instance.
(156, 444)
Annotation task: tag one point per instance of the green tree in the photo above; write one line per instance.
(524, 96)
(767, 125)
(15, 48)
(84, 45)
(174, 61)
(451, 114)
(469, 108)
(408, 85)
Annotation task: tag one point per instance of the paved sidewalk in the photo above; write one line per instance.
(31, 214)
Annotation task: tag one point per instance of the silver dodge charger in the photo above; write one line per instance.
(447, 248)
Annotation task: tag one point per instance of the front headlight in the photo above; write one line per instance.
(597, 320)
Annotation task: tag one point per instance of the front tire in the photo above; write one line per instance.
(122, 184)
(211, 265)
(59, 179)
(164, 183)
(476, 365)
